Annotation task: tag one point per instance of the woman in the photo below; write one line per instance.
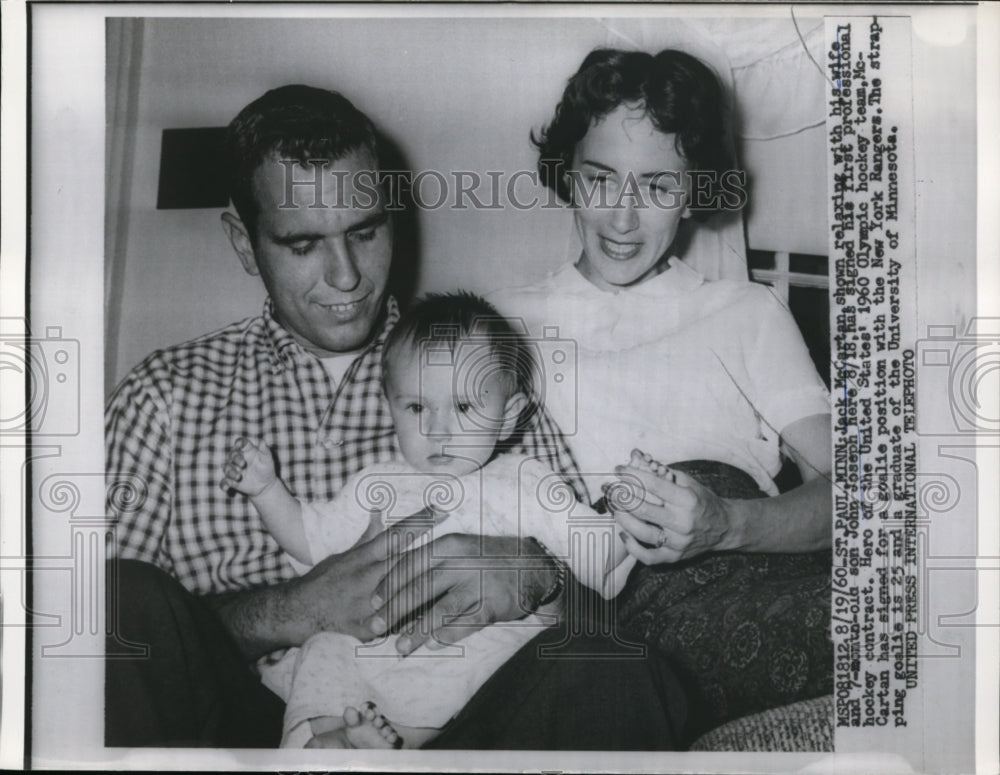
(681, 368)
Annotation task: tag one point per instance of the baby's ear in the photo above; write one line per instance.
(512, 410)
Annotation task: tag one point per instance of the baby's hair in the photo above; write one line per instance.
(451, 318)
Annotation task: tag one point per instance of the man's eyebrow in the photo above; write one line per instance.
(292, 238)
(376, 219)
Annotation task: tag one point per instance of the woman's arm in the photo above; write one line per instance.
(800, 520)
(680, 518)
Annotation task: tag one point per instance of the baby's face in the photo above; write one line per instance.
(448, 410)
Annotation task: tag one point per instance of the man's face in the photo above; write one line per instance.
(325, 268)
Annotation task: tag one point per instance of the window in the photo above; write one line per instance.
(801, 281)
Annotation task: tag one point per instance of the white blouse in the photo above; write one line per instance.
(679, 367)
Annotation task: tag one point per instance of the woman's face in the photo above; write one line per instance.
(628, 183)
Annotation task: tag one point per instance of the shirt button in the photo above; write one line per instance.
(329, 443)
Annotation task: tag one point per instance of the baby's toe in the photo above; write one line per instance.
(352, 717)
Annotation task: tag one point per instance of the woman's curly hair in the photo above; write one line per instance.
(678, 93)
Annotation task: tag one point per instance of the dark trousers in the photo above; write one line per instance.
(569, 689)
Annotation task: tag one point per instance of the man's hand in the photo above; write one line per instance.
(461, 583)
(335, 595)
(470, 581)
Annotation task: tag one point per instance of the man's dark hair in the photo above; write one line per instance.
(448, 319)
(292, 122)
(677, 92)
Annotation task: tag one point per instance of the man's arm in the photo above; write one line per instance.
(481, 579)
(139, 467)
(139, 476)
(258, 619)
(335, 595)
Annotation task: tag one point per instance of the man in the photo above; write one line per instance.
(212, 591)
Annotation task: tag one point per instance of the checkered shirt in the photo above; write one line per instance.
(172, 420)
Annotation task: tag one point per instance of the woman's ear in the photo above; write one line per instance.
(688, 187)
(567, 181)
(512, 411)
(241, 242)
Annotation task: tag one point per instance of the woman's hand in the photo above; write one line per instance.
(666, 516)
(694, 520)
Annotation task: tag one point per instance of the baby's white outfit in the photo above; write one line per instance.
(511, 496)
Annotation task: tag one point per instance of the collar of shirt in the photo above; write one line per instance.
(282, 351)
(678, 280)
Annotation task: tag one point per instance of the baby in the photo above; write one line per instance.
(458, 381)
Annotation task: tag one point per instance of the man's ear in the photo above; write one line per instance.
(241, 242)
(511, 414)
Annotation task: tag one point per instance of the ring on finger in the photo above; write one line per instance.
(661, 539)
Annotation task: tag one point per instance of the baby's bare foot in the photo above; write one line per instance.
(644, 462)
(367, 728)
(335, 738)
(328, 732)
(639, 460)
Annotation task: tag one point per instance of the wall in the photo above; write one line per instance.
(454, 94)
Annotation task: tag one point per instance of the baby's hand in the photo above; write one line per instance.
(249, 468)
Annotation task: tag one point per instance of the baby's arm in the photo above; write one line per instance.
(618, 555)
(595, 554)
(250, 470)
